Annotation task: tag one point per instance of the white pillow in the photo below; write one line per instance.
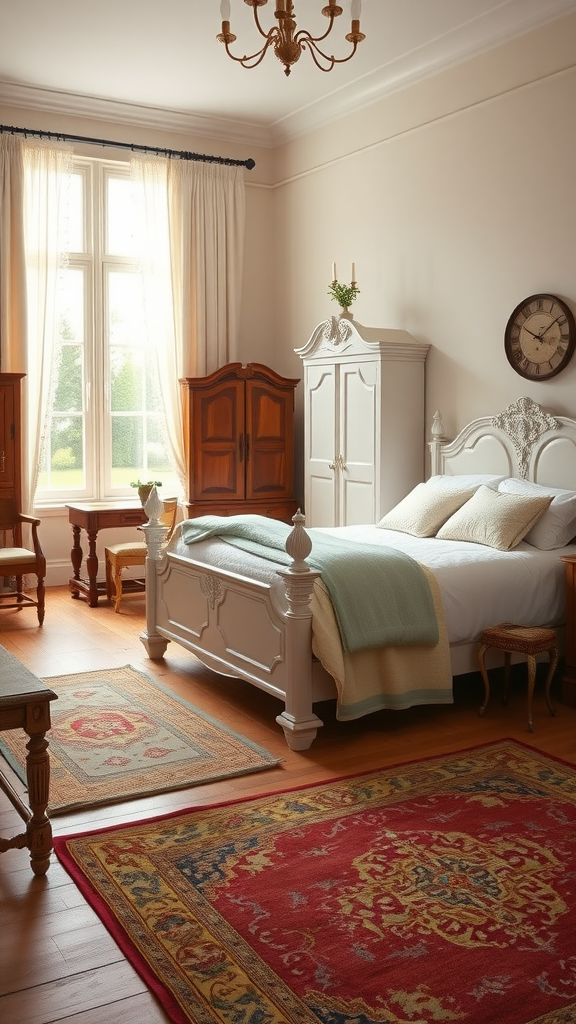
(557, 527)
(424, 510)
(496, 519)
(465, 480)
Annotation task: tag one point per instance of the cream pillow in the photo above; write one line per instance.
(463, 481)
(494, 518)
(557, 527)
(424, 510)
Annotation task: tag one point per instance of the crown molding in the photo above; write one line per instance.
(515, 18)
(134, 114)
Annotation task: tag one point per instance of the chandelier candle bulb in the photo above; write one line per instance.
(353, 274)
(334, 278)
(225, 10)
(356, 10)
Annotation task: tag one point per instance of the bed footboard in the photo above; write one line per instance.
(234, 626)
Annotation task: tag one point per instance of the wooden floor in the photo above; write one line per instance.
(57, 962)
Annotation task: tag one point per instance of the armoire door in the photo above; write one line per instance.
(269, 441)
(358, 420)
(322, 431)
(218, 443)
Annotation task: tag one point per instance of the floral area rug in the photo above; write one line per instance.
(116, 735)
(442, 890)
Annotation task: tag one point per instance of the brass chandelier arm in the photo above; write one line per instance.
(257, 57)
(286, 40)
(331, 60)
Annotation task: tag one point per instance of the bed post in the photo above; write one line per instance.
(435, 444)
(298, 720)
(154, 531)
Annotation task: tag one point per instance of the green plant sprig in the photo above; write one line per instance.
(146, 483)
(344, 294)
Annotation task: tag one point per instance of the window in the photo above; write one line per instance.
(106, 425)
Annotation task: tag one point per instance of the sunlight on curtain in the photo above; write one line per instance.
(150, 176)
(191, 222)
(13, 358)
(207, 215)
(47, 169)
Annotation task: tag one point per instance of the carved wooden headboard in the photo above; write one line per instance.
(523, 441)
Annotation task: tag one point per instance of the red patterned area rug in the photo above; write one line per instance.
(441, 890)
(116, 735)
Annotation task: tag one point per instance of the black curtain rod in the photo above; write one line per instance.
(176, 154)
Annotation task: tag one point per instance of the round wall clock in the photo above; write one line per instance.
(540, 337)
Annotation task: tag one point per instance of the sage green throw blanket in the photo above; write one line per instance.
(380, 596)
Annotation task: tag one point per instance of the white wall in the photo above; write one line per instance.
(455, 199)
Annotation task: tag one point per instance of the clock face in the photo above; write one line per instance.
(540, 337)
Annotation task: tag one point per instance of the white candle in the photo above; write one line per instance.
(225, 10)
(356, 10)
(334, 278)
(353, 278)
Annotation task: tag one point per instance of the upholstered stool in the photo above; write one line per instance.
(528, 640)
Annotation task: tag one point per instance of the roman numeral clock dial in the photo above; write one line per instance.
(540, 337)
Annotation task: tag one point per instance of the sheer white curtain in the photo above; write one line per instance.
(47, 169)
(34, 176)
(13, 356)
(191, 222)
(207, 215)
(150, 175)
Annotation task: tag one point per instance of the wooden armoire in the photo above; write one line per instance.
(10, 437)
(239, 433)
(363, 421)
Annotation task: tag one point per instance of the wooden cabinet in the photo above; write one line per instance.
(240, 442)
(363, 421)
(10, 437)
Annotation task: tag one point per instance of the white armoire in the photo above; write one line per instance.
(363, 421)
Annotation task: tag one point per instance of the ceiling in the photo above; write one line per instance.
(157, 62)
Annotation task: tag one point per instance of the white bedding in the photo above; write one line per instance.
(480, 586)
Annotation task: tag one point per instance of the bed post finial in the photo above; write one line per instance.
(435, 445)
(298, 544)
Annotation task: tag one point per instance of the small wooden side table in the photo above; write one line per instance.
(514, 639)
(93, 516)
(25, 704)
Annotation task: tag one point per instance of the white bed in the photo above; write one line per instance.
(243, 616)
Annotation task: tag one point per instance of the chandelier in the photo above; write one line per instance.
(287, 40)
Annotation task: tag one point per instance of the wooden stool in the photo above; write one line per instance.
(528, 640)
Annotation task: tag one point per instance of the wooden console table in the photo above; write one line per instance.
(93, 516)
(25, 704)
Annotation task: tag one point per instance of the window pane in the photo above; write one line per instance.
(63, 462)
(139, 450)
(120, 222)
(76, 241)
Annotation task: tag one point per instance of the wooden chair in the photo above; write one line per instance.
(17, 561)
(120, 556)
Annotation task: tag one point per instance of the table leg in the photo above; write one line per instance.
(482, 667)
(76, 556)
(531, 680)
(92, 567)
(38, 828)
